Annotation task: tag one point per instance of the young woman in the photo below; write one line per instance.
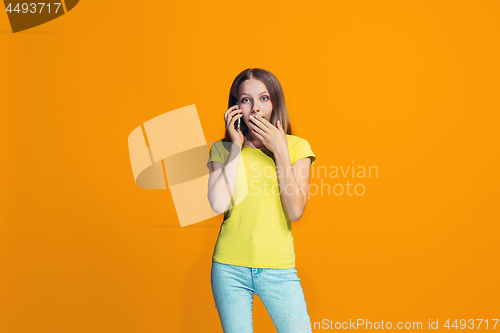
(259, 179)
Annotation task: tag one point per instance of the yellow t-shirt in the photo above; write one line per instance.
(256, 232)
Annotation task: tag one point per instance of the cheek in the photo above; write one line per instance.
(269, 110)
(246, 117)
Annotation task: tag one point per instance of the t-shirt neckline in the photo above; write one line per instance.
(257, 148)
(253, 148)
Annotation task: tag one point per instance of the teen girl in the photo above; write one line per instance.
(259, 179)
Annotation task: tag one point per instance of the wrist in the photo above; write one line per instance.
(282, 157)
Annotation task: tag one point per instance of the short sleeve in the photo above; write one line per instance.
(302, 149)
(218, 153)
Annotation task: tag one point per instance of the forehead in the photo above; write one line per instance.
(252, 87)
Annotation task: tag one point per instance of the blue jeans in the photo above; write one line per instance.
(279, 289)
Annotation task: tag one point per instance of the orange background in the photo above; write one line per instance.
(409, 87)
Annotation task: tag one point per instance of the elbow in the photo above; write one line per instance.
(216, 206)
(296, 216)
(217, 211)
(298, 212)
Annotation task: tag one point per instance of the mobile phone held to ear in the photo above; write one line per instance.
(237, 125)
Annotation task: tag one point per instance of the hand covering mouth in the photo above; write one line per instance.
(252, 120)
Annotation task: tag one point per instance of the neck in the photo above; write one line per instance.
(253, 142)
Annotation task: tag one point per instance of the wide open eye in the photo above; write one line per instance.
(244, 100)
(266, 98)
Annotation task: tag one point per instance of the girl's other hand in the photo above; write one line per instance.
(230, 117)
(273, 137)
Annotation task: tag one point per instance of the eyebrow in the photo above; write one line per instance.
(264, 92)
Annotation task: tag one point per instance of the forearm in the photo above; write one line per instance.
(221, 192)
(292, 196)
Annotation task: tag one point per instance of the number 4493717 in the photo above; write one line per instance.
(32, 7)
(469, 323)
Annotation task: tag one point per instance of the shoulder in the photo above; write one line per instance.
(219, 151)
(220, 145)
(294, 140)
(299, 148)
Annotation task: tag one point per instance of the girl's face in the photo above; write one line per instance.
(254, 98)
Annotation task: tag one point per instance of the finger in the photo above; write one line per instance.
(253, 123)
(263, 121)
(232, 108)
(235, 118)
(232, 115)
(280, 127)
(228, 111)
(256, 128)
(258, 135)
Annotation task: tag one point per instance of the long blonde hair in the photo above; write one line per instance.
(273, 86)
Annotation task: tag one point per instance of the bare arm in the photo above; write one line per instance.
(222, 181)
(294, 184)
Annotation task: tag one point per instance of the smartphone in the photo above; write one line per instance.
(237, 126)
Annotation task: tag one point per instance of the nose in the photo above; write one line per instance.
(255, 108)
